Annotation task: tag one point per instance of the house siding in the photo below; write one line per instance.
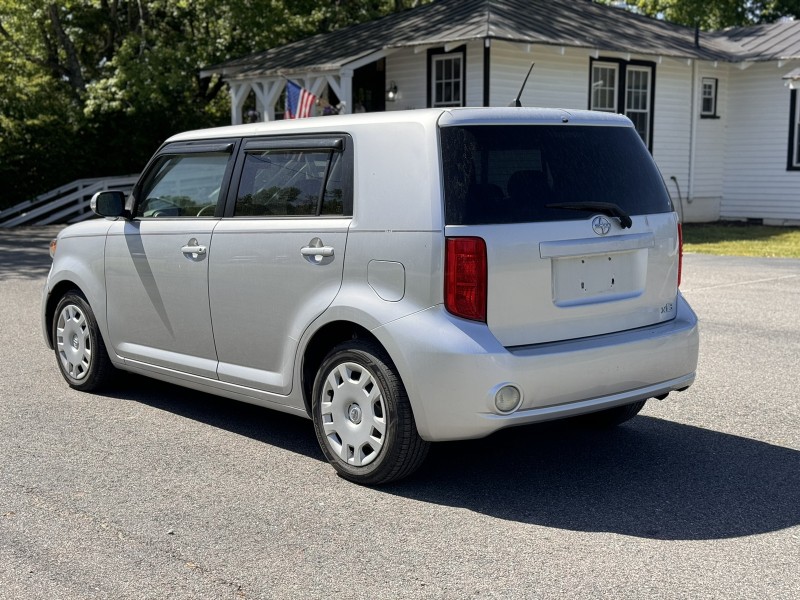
(409, 70)
(757, 184)
(556, 81)
(672, 125)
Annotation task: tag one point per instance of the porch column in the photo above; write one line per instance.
(238, 91)
(343, 87)
(267, 92)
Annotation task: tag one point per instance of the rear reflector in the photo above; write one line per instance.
(680, 253)
(465, 277)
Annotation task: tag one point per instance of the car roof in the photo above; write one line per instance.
(444, 117)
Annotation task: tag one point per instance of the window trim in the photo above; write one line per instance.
(435, 54)
(621, 88)
(713, 113)
(793, 155)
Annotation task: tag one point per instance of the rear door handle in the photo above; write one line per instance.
(321, 251)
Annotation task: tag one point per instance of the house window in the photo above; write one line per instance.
(637, 100)
(708, 103)
(446, 78)
(625, 87)
(604, 87)
(794, 133)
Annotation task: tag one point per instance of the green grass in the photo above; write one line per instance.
(742, 239)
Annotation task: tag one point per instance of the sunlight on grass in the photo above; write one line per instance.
(740, 239)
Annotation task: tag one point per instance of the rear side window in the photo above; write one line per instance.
(292, 182)
(510, 173)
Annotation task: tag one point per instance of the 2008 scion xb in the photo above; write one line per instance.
(400, 278)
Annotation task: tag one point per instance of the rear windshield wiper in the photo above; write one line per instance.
(607, 208)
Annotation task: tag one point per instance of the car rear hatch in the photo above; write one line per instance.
(580, 234)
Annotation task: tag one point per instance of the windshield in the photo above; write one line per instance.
(510, 173)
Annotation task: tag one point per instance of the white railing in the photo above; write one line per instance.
(66, 204)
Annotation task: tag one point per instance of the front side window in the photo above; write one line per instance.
(278, 182)
(446, 79)
(708, 101)
(183, 185)
(627, 88)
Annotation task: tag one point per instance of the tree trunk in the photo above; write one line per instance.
(72, 68)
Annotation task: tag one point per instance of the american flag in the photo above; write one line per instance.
(298, 101)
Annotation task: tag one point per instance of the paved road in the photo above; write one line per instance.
(152, 491)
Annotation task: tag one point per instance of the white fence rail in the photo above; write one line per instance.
(66, 204)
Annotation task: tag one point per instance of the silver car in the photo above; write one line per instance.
(400, 278)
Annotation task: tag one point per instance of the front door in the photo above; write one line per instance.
(157, 264)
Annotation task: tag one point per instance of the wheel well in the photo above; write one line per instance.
(318, 347)
(55, 296)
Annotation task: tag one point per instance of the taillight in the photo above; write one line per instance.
(680, 253)
(465, 278)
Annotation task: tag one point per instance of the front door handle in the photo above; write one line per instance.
(194, 248)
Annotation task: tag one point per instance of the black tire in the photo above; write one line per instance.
(357, 393)
(80, 351)
(611, 417)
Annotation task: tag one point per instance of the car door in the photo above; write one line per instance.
(279, 254)
(157, 261)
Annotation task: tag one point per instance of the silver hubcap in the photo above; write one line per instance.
(353, 414)
(73, 342)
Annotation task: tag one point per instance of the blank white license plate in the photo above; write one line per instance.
(599, 277)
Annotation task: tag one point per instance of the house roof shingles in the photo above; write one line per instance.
(574, 23)
(774, 41)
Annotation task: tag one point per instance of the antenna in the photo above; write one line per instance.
(515, 101)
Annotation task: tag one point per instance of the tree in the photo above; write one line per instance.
(716, 14)
(92, 87)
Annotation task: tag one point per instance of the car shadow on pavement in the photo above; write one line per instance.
(649, 478)
(283, 430)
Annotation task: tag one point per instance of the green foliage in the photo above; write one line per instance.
(91, 87)
(715, 14)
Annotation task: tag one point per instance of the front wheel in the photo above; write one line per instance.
(80, 351)
(362, 416)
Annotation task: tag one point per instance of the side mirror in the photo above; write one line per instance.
(109, 204)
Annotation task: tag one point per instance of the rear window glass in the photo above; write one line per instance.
(510, 173)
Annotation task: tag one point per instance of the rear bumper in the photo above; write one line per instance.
(452, 369)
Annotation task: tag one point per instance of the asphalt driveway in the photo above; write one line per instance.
(152, 491)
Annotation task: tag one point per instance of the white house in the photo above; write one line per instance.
(719, 111)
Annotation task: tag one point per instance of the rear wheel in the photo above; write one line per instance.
(611, 417)
(362, 416)
(80, 352)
